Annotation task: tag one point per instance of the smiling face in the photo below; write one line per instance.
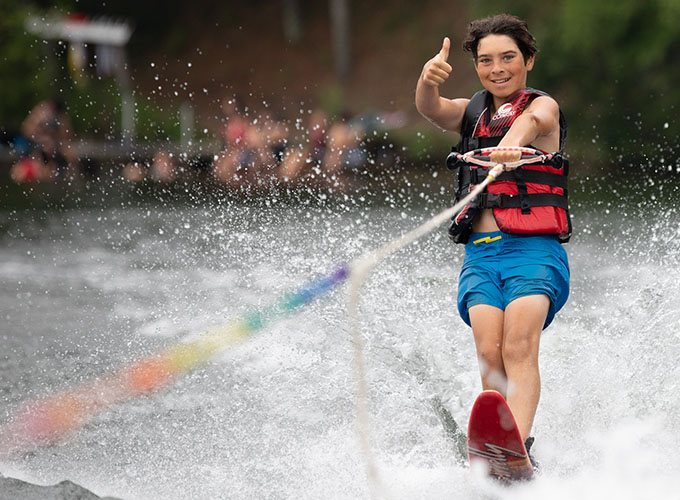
(501, 67)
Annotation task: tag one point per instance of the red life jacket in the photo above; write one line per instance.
(532, 199)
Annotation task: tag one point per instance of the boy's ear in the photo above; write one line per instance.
(530, 62)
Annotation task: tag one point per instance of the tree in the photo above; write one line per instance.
(24, 78)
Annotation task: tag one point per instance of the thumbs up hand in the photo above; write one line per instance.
(437, 70)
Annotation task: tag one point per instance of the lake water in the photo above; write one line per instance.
(90, 286)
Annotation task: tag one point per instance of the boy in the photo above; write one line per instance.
(515, 276)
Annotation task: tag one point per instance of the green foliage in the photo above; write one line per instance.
(157, 123)
(94, 108)
(332, 99)
(22, 66)
(422, 144)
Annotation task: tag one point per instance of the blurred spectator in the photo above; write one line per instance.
(276, 138)
(299, 161)
(252, 148)
(163, 168)
(134, 172)
(235, 134)
(266, 142)
(344, 149)
(48, 128)
(234, 125)
(28, 169)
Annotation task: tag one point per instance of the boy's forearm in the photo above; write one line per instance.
(427, 100)
(523, 131)
(445, 113)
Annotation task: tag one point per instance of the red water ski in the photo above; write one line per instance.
(494, 439)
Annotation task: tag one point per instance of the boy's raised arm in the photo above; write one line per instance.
(443, 112)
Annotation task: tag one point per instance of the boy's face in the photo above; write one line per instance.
(501, 67)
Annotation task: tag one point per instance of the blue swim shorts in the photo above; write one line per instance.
(501, 267)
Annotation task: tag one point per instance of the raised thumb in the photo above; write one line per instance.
(446, 45)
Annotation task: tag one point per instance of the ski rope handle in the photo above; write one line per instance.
(529, 156)
(362, 266)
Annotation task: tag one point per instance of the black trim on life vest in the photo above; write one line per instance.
(478, 175)
(473, 112)
(497, 200)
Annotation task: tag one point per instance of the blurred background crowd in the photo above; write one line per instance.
(254, 150)
(295, 92)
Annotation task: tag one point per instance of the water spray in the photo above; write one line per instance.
(46, 420)
(362, 266)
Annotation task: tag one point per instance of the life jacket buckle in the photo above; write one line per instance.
(474, 175)
(490, 200)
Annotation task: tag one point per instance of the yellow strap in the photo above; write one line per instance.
(487, 239)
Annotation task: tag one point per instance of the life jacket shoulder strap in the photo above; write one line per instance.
(477, 105)
(563, 120)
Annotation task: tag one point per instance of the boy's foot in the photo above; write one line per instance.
(527, 444)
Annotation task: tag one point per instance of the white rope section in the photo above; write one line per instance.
(362, 266)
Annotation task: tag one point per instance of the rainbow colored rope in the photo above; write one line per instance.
(46, 420)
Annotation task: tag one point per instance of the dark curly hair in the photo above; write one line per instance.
(501, 24)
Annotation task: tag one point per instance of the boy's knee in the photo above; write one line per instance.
(519, 347)
(490, 356)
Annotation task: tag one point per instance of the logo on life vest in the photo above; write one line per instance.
(504, 111)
